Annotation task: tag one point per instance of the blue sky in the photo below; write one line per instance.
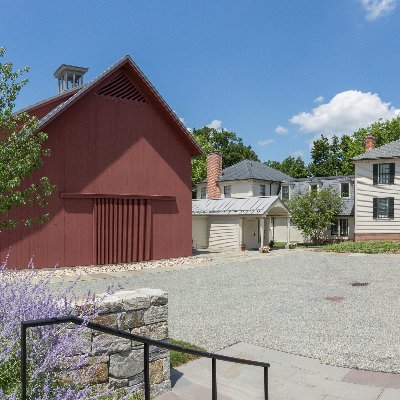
(278, 73)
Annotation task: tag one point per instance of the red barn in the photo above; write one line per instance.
(121, 160)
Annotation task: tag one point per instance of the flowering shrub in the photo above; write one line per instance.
(27, 296)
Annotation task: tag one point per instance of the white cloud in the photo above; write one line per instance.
(265, 142)
(319, 99)
(345, 113)
(378, 8)
(215, 124)
(281, 130)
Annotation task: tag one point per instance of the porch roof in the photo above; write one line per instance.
(260, 205)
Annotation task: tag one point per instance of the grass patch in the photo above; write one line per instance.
(369, 247)
(178, 358)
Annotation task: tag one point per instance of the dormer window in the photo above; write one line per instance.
(69, 77)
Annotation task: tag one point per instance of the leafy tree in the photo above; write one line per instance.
(227, 143)
(333, 157)
(294, 167)
(21, 152)
(313, 212)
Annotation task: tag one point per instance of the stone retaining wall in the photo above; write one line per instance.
(118, 362)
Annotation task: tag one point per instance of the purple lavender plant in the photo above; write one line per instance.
(27, 296)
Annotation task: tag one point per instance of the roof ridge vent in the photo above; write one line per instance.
(120, 87)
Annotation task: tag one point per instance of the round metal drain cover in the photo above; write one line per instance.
(360, 284)
(334, 298)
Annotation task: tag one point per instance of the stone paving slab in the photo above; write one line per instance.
(291, 377)
(382, 379)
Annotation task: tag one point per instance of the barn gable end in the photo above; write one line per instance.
(122, 165)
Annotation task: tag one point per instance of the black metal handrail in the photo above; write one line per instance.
(146, 342)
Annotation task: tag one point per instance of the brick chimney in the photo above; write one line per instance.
(214, 170)
(369, 142)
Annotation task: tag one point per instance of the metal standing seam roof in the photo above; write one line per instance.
(236, 206)
(84, 88)
(249, 169)
(389, 150)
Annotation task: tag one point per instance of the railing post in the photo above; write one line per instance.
(23, 361)
(266, 383)
(214, 379)
(146, 372)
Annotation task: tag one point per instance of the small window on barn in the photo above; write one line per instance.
(345, 190)
(227, 191)
(262, 190)
(313, 187)
(203, 193)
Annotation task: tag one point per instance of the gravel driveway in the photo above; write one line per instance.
(279, 301)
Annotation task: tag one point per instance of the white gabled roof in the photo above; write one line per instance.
(237, 206)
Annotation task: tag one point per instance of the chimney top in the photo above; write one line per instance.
(214, 169)
(369, 142)
(69, 76)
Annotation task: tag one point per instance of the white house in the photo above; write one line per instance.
(252, 179)
(377, 193)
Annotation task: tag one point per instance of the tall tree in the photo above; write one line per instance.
(313, 212)
(227, 143)
(21, 152)
(333, 157)
(294, 167)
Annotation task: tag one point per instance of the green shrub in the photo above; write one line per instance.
(369, 247)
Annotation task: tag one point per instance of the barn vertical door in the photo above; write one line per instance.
(122, 230)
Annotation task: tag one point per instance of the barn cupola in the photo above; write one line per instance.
(69, 77)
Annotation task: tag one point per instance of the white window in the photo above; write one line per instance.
(345, 190)
(203, 193)
(340, 227)
(285, 193)
(227, 191)
(262, 190)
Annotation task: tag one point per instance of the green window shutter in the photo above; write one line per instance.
(391, 177)
(375, 171)
(375, 208)
(391, 207)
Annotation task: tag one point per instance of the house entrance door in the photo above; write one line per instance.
(251, 233)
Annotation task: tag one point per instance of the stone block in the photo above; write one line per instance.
(166, 368)
(157, 352)
(160, 388)
(129, 320)
(156, 372)
(126, 365)
(106, 319)
(118, 383)
(83, 342)
(133, 300)
(90, 374)
(110, 303)
(157, 331)
(155, 314)
(139, 378)
(108, 344)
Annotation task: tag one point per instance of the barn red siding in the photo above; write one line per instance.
(105, 145)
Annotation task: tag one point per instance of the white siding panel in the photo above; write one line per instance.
(366, 191)
(224, 234)
(200, 232)
(280, 231)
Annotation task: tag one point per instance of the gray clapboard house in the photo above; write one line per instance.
(252, 184)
